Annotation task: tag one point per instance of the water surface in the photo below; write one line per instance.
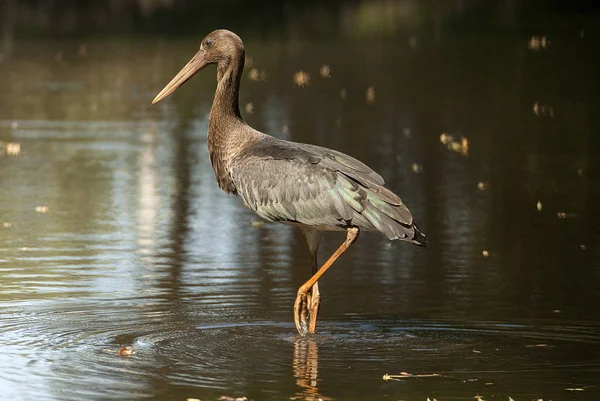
(133, 244)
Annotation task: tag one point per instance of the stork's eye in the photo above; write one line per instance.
(208, 42)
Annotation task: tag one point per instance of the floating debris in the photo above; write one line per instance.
(344, 94)
(582, 247)
(416, 168)
(404, 375)
(325, 71)
(7, 224)
(370, 95)
(542, 110)
(42, 209)
(563, 215)
(538, 42)
(253, 74)
(461, 146)
(479, 398)
(227, 398)
(556, 311)
(574, 389)
(257, 223)
(476, 351)
(406, 132)
(193, 399)
(301, 79)
(455, 147)
(13, 148)
(249, 108)
(464, 146)
(482, 185)
(285, 129)
(539, 206)
(249, 62)
(123, 351)
(485, 253)
(126, 351)
(446, 138)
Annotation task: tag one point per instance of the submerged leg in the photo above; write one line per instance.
(303, 299)
(310, 307)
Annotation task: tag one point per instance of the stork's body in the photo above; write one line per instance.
(314, 188)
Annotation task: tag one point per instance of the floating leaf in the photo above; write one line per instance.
(538, 42)
(370, 95)
(253, 74)
(563, 215)
(404, 375)
(13, 148)
(446, 138)
(301, 79)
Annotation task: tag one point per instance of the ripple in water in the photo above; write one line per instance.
(74, 354)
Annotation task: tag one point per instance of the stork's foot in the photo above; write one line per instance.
(306, 308)
(313, 307)
(301, 312)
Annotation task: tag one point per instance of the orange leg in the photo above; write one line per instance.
(314, 300)
(303, 301)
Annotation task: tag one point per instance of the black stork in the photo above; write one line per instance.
(307, 186)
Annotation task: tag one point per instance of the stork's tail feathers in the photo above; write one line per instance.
(419, 239)
(393, 220)
(370, 205)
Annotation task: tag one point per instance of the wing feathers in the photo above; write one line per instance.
(311, 185)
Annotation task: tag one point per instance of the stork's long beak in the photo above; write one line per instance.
(197, 63)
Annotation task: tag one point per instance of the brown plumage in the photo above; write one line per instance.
(314, 188)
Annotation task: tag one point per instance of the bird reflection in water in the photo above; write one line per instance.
(306, 370)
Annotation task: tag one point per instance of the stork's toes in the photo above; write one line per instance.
(301, 313)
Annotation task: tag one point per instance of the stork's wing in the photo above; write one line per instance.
(315, 186)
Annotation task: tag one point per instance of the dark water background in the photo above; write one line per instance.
(133, 244)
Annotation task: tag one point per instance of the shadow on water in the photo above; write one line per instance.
(113, 232)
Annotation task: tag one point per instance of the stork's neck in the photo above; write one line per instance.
(227, 132)
(229, 72)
